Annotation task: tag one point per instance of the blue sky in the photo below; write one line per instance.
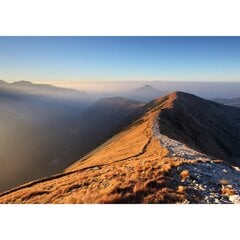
(120, 58)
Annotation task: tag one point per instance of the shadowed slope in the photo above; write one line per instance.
(206, 126)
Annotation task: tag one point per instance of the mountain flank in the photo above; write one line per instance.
(162, 156)
(205, 126)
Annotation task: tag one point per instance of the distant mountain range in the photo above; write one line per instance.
(235, 102)
(44, 90)
(36, 124)
(48, 130)
(145, 93)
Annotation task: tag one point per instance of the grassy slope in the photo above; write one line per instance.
(128, 168)
(132, 167)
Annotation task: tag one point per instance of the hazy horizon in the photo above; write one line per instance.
(198, 65)
(205, 89)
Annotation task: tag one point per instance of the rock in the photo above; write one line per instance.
(235, 199)
(95, 168)
(237, 168)
(185, 201)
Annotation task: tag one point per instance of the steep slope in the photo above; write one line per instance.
(208, 127)
(102, 120)
(49, 134)
(142, 164)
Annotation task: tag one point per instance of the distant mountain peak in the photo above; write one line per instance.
(23, 83)
(147, 86)
(2, 82)
(144, 93)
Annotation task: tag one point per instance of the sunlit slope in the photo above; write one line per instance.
(138, 165)
(118, 171)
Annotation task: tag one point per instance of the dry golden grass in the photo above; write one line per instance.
(184, 175)
(227, 191)
(181, 189)
(132, 167)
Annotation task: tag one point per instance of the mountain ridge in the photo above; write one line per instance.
(196, 121)
(27, 87)
(157, 168)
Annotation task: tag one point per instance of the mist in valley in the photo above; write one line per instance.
(44, 129)
(37, 129)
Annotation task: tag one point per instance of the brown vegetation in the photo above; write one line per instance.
(227, 191)
(131, 167)
(184, 174)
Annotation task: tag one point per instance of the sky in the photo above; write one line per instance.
(73, 59)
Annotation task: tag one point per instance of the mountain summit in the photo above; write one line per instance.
(23, 83)
(145, 93)
(172, 152)
(147, 87)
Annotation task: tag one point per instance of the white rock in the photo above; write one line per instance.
(237, 168)
(175, 148)
(235, 199)
(185, 201)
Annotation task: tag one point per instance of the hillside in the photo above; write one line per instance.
(205, 126)
(161, 157)
(49, 134)
(36, 134)
(102, 120)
